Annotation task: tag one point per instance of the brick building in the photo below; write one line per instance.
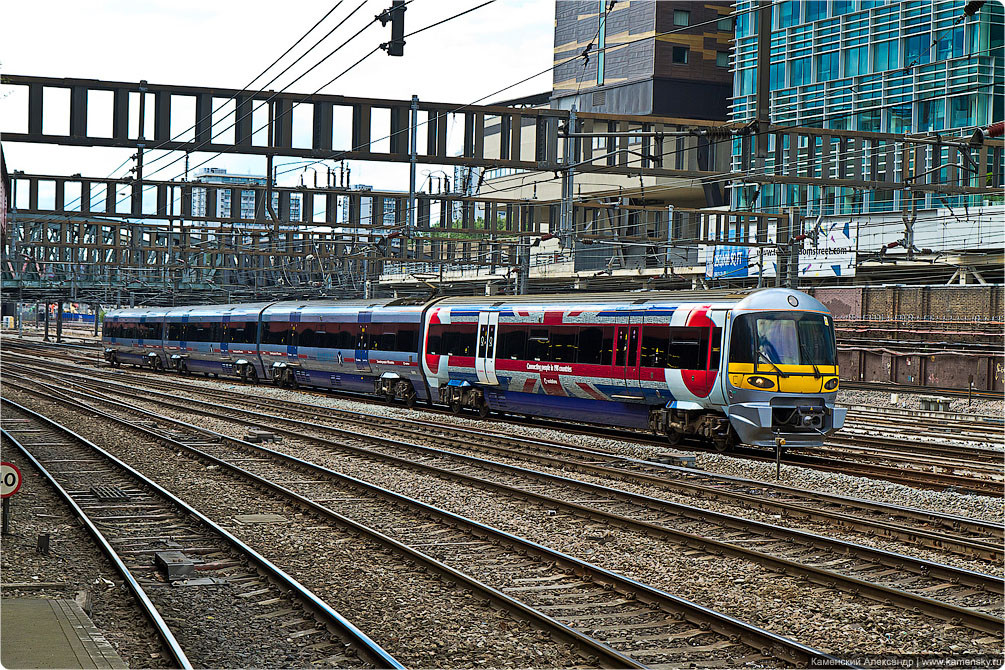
(668, 58)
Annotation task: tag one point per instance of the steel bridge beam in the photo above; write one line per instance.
(522, 138)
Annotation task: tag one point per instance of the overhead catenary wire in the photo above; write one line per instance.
(341, 153)
(307, 97)
(245, 89)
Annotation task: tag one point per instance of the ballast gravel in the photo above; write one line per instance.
(830, 620)
(422, 620)
(947, 502)
(73, 569)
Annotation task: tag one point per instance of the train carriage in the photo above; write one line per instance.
(362, 346)
(214, 339)
(135, 337)
(645, 361)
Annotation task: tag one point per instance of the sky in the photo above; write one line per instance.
(227, 43)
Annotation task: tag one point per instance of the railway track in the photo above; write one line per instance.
(641, 625)
(914, 527)
(888, 387)
(965, 597)
(136, 522)
(904, 467)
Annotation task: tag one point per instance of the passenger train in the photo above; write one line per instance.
(725, 367)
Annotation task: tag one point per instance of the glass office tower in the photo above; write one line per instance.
(898, 67)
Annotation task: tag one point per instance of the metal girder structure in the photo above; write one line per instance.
(116, 261)
(82, 246)
(161, 243)
(502, 137)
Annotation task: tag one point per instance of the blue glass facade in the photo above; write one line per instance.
(898, 67)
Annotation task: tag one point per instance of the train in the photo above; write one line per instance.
(727, 368)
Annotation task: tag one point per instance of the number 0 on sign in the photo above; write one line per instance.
(10, 479)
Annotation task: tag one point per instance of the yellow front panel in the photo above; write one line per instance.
(801, 379)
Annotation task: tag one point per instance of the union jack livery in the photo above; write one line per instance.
(725, 367)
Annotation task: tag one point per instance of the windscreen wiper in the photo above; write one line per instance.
(767, 360)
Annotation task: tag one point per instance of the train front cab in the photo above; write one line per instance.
(782, 374)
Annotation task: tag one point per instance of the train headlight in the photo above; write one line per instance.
(761, 382)
(831, 384)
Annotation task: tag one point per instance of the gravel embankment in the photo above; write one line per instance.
(421, 620)
(984, 406)
(830, 620)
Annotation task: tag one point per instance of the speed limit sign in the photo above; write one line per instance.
(10, 479)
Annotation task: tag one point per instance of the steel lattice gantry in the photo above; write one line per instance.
(146, 236)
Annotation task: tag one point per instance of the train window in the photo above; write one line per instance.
(512, 342)
(363, 339)
(408, 338)
(596, 345)
(815, 343)
(174, 331)
(483, 340)
(538, 344)
(308, 336)
(622, 350)
(715, 353)
(741, 348)
(347, 336)
(455, 339)
(655, 342)
(790, 338)
(251, 333)
(387, 341)
(563, 344)
(688, 347)
(462, 339)
(434, 340)
(276, 333)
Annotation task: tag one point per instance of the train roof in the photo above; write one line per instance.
(759, 299)
(629, 299)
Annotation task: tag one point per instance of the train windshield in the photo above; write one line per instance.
(783, 338)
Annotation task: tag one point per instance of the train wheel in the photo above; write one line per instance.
(483, 409)
(277, 379)
(252, 375)
(724, 443)
(115, 362)
(455, 406)
(674, 436)
(158, 365)
(410, 398)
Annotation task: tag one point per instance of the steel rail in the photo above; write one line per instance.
(610, 658)
(151, 612)
(990, 550)
(972, 618)
(365, 647)
(770, 643)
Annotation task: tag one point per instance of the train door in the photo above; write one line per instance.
(626, 357)
(485, 354)
(362, 352)
(224, 336)
(717, 353)
(291, 344)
